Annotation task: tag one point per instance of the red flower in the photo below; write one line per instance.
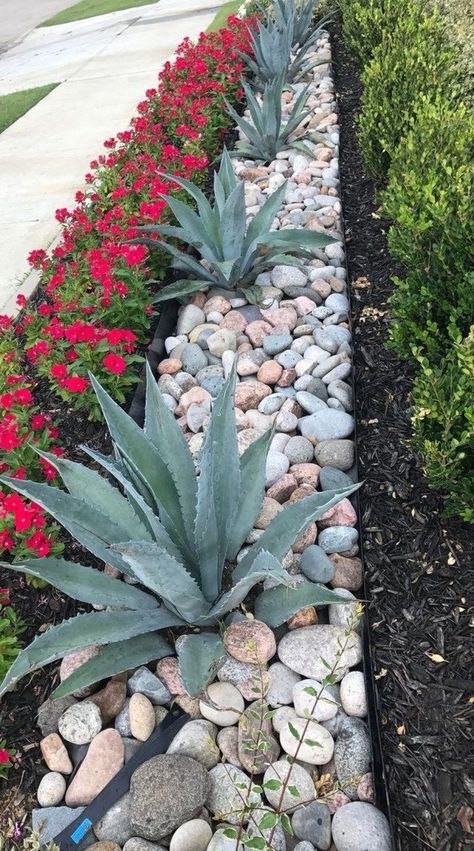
(59, 371)
(75, 384)
(4, 756)
(115, 363)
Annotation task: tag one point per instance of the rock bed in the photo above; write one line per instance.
(294, 366)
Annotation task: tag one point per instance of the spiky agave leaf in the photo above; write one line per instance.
(277, 605)
(114, 659)
(83, 631)
(267, 134)
(199, 657)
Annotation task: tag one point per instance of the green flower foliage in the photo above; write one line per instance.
(414, 62)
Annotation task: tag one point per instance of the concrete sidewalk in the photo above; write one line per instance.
(104, 64)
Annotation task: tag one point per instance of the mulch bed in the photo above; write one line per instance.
(418, 564)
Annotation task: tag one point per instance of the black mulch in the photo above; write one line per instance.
(419, 565)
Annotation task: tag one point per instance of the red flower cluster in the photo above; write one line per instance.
(96, 292)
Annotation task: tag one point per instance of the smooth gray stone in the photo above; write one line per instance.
(288, 359)
(114, 826)
(310, 402)
(313, 824)
(335, 453)
(327, 424)
(337, 539)
(144, 682)
(193, 358)
(359, 826)
(316, 565)
(273, 344)
(352, 754)
(332, 479)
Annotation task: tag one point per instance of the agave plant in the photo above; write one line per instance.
(175, 533)
(300, 17)
(232, 254)
(266, 135)
(272, 53)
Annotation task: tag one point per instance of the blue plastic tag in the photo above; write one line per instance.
(81, 831)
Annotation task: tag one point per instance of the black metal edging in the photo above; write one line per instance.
(382, 798)
(154, 354)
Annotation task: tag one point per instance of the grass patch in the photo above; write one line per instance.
(92, 8)
(221, 18)
(13, 106)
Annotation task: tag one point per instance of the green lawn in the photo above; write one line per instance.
(91, 8)
(15, 105)
(222, 15)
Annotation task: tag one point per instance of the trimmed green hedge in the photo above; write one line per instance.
(416, 131)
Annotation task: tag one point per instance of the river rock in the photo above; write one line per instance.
(80, 723)
(110, 699)
(299, 450)
(353, 694)
(114, 826)
(224, 799)
(122, 721)
(250, 641)
(197, 739)
(348, 572)
(50, 712)
(189, 317)
(251, 680)
(299, 779)
(55, 754)
(144, 682)
(352, 755)
(313, 824)
(317, 565)
(359, 826)
(136, 843)
(51, 789)
(253, 733)
(142, 717)
(335, 453)
(74, 660)
(282, 680)
(304, 649)
(317, 745)
(228, 741)
(344, 614)
(337, 539)
(332, 479)
(103, 761)
(311, 700)
(165, 792)
(193, 835)
(224, 704)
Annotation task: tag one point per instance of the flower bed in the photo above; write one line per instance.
(293, 357)
(93, 310)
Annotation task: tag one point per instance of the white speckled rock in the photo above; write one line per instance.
(306, 705)
(224, 799)
(303, 650)
(353, 695)
(197, 739)
(193, 835)
(80, 723)
(341, 614)
(282, 682)
(51, 789)
(316, 754)
(223, 706)
(299, 778)
(359, 826)
(282, 715)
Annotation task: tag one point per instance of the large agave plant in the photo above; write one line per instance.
(175, 533)
(266, 135)
(232, 254)
(300, 17)
(272, 53)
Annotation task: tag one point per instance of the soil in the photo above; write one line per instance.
(419, 566)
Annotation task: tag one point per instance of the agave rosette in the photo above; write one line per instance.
(176, 533)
